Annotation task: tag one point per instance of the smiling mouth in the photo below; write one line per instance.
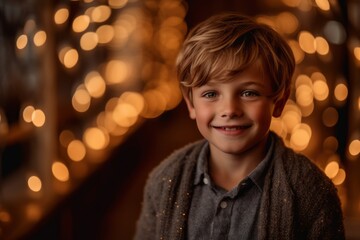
(231, 128)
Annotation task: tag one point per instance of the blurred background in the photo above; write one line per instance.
(89, 104)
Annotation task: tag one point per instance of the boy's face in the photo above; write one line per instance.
(235, 116)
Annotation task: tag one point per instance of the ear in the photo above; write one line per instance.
(190, 107)
(280, 104)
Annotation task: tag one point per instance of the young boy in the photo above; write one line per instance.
(240, 182)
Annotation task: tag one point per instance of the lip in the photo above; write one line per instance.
(232, 130)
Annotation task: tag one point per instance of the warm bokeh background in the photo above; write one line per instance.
(89, 104)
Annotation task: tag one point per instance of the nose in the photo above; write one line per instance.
(231, 108)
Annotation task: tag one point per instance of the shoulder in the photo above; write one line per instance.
(311, 188)
(176, 162)
(300, 171)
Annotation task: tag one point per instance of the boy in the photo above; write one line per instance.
(241, 182)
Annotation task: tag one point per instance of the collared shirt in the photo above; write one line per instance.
(219, 214)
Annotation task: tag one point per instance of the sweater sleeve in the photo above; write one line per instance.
(328, 223)
(146, 224)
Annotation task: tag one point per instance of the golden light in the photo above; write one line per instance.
(291, 116)
(171, 92)
(287, 22)
(101, 13)
(125, 114)
(76, 150)
(96, 138)
(89, 41)
(296, 49)
(61, 16)
(354, 147)
(116, 72)
(27, 113)
(68, 57)
(170, 38)
(65, 137)
(321, 90)
(318, 76)
(307, 42)
(38, 118)
(330, 117)
(323, 4)
(105, 120)
(341, 92)
(95, 84)
(300, 137)
(34, 183)
(303, 79)
(105, 34)
(121, 35)
(332, 169)
(357, 53)
(81, 100)
(340, 177)
(135, 99)
(81, 23)
(304, 95)
(60, 171)
(40, 38)
(155, 104)
(117, 3)
(307, 110)
(322, 46)
(21, 41)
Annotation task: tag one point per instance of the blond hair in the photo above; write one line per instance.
(225, 45)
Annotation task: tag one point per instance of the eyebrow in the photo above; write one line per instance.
(243, 83)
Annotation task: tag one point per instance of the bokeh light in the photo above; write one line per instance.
(76, 150)
(60, 171)
(34, 183)
(61, 15)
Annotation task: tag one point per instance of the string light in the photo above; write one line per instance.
(61, 15)
(21, 41)
(76, 150)
(40, 38)
(34, 183)
(60, 171)
(38, 118)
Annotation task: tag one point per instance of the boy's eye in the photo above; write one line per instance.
(249, 93)
(209, 94)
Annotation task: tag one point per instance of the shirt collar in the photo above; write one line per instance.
(202, 164)
(257, 176)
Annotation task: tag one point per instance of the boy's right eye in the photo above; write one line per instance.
(209, 94)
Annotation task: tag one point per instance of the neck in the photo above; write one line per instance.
(228, 170)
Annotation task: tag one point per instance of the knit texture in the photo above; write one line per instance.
(298, 201)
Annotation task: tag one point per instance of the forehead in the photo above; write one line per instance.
(251, 73)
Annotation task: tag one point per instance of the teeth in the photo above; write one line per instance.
(230, 128)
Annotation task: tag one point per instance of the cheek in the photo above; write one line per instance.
(261, 112)
(204, 114)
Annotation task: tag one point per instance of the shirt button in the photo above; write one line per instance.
(223, 204)
(206, 181)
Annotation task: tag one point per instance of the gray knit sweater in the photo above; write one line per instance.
(298, 201)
